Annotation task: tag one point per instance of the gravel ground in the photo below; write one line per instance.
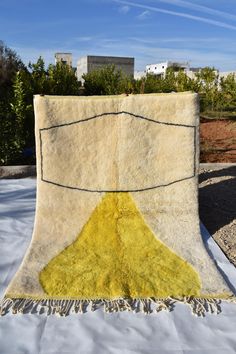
(217, 205)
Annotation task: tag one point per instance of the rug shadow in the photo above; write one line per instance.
(217, 201)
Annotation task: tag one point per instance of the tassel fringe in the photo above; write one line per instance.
(199, 306)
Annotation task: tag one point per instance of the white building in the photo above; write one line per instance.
(139, 74)
(224, 74)
(160, 68)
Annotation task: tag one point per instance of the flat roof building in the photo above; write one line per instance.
(92, 62)
(160, 68)
(65, 58)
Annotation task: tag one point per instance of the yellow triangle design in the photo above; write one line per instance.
(117, 255)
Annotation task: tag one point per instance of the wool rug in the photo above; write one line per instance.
(116, 221)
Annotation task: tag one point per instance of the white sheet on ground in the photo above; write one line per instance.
(175, 332)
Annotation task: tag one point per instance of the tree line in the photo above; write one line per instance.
(18, 84)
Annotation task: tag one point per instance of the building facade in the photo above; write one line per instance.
(92, 62)
(160, 68)
(65, 58)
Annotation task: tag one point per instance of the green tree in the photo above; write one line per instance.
(10, 64)
(183, 82)
(228, 89)
(22, 106)
(207, 82)
(62, 80)
(150, 84)
(127, 85)
(169, 81)
(19, 108)
(105, 81)
(39, 77)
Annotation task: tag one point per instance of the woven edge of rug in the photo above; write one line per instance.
(199, 306)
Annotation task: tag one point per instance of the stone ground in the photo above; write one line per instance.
(217, 200)
(217, 205)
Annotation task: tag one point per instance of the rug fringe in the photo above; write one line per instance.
(199, 306)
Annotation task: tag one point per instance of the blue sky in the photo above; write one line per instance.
(202, 32)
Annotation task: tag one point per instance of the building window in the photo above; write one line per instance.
(163, 67)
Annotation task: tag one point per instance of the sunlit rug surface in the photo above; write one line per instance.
(116, 221)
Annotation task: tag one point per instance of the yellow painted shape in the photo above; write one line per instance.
(117, 255)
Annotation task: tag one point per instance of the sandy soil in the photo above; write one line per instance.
(217, 140)
(217, 206)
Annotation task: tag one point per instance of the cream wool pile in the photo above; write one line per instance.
(117, 213)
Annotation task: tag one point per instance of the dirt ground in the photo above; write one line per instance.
(217, 206)
(217, 140)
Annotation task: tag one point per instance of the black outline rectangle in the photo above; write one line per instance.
(117, 191)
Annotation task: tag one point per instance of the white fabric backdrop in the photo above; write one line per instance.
(163, 333)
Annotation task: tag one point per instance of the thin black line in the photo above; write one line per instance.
(195, 152)
(117, 113)
(41, 153)
(118, 191)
